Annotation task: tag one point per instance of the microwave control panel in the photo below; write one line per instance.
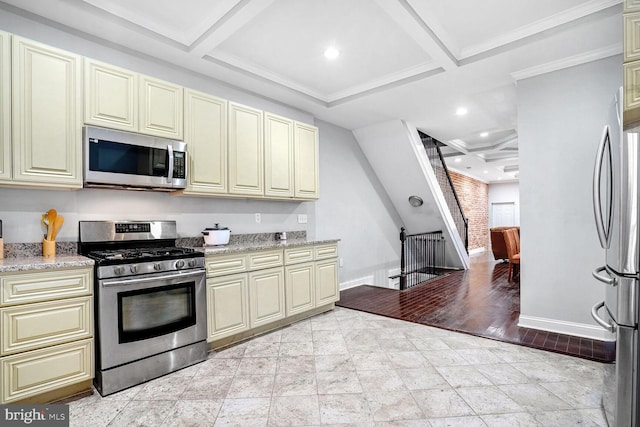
(179, 164)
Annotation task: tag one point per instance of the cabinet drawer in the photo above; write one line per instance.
(326, 251)
(631, 5)
(28, 374)
(296, 255)
(20, 288)
(220, 265)
(32, 326)
(265, 259)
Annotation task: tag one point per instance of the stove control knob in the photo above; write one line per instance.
(118, 270)
(157, 266)
(192, 262)
(180, 264)
(134, 268)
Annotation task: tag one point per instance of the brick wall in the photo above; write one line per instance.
(474, 198)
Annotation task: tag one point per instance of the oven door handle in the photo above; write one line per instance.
(109, 283)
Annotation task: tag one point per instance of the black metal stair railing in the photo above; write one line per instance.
(432, 147)
(420, 258)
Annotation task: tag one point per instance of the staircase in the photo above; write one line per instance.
(398, 157)
(432, 146)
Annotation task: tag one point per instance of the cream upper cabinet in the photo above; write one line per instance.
(206, 135)
(161, 108)
(5, 106)
(306, 161)
(278, 156)
(111, 96)
(46, 115)
(246, 175)
(118, 98)
(631, 5)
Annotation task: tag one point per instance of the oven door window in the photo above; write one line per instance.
(152, 312)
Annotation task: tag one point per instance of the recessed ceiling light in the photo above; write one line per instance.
(461, 111)
(499, 178)
(485, 171)
(484, 134)
(458, 160)
(331, 53)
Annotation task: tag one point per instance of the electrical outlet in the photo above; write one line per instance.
(302, 219)
(258, 218)
(341, 262)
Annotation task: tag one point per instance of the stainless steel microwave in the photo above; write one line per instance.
(119, 159)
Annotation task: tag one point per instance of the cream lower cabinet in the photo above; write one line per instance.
(266, 296)
(46, 318)
(251, 290)
(227, 305)
(327, 282)
(300, 287)
(46, 115)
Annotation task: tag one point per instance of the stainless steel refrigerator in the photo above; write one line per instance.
(615, 202)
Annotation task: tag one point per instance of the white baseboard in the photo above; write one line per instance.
(566, 328)
(367, 280)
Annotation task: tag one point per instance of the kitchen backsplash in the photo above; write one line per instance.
(18, 250)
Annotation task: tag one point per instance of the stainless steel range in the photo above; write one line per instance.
(150, 301)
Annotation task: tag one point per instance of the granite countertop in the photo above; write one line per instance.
(248, 246)
(42, 263)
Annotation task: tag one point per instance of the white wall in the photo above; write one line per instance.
(560, 119)
(505, 192)
(353, 206)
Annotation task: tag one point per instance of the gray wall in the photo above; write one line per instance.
(560, 120)
(353, 206)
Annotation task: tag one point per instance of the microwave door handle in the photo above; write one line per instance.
(170, 172)
(597, 203)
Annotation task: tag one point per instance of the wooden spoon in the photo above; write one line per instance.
(52, 214)
(56, 226)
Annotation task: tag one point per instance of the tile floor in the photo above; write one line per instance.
(356, 368)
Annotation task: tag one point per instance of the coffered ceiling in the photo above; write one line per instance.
(416, 60)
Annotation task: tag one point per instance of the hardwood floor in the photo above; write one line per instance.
(479, 301)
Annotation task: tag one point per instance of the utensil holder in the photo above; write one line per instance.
(48, 248)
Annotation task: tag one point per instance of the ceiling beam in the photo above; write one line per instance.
(401, 12)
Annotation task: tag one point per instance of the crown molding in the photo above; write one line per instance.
(568, 62)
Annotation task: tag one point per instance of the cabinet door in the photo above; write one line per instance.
(299, 288)
(161, 108)
(206, 135)
(278, 156)
(246, 175)
(227, 306)
(306, 161)
(110, 96)
(5, 106)
(47, 115)
(266, 290)
(631, 112)
(327, 282)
